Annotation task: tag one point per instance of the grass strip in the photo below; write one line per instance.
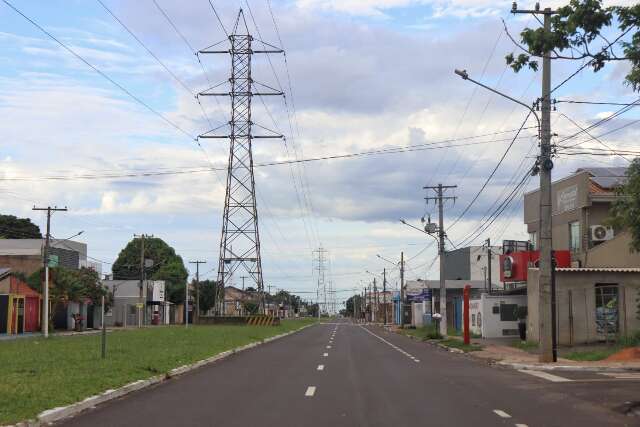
(39, 374)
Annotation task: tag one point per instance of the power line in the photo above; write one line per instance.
(101, 73)
(215, 12)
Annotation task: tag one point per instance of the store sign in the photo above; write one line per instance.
(424, 295)
(567, 199)
(54, 260)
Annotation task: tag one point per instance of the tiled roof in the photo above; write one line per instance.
(606, 178)
(600, 270)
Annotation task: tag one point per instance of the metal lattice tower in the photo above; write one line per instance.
(240, 239)
(321, 290)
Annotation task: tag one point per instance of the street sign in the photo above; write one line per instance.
(139, 305)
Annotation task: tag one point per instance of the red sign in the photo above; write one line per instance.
(514, 266)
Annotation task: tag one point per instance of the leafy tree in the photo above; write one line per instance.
(577, 34)
(625, 211)
(350, 302)
(251, 307)
(167, 266)
(207, 295)
(12, 227)
(67, 285)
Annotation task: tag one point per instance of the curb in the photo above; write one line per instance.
(568, 368)
(56, 414)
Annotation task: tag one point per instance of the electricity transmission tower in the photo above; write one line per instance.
(240, 240)
(322, 291)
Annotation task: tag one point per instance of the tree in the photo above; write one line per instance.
(67, 285)
(12, 227)
(577, 34)
(207, 295)
(251, 307)
(349, 304)
(167, 266)
(625, 211)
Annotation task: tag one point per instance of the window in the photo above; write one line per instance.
(607, 309)
(574, 236)
(473, 320)
(533, 238)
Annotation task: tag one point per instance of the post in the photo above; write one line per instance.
(186, 305)
(554, 332)
(402, 289)
(104, 333)
(384, 294)
(546, 297)
(375, 299)
(196, 315)
(489, 263)
(45, 291)
(467, 289)
(141, 307)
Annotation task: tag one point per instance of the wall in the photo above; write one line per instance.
(476, 269)
(576, 304)
(492, 326)
(613, 253)
(26, 264)
(457, 264)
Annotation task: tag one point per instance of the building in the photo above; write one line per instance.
(580, 207)
(472, 263)
(593, 304)
(19, 305)
(495, 315)
(27, 255)
(424, 297)
(127, 308)
(234, 300)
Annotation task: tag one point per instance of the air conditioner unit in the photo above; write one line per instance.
(600, 233)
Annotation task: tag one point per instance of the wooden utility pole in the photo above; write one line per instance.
(45, 304)
(196, 315)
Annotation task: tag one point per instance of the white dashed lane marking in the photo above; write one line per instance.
(311, 390)
(521, 425)
(325, 354)
(320, 367)
(501, 413)
(328, 346)
(395, 347)
(546, 376)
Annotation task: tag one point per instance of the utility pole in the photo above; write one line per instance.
(142, 310)
(376, 298)
(402, 289)
(196, 316)
(321, 267)
(489, 255)
(45, 305)
(439, 198)
(384, 293)
(546, 293)
(240, 216)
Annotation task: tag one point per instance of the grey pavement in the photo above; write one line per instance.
(368, 377)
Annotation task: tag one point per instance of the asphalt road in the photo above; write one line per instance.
(347, 375)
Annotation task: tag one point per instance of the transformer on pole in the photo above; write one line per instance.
(240, 239)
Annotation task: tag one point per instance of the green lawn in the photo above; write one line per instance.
(528, 346)
(423, 333)
(38, 374)
(604, 351)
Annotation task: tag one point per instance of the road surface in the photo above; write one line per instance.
(342, 374)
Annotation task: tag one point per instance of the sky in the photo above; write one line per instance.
(358, 75)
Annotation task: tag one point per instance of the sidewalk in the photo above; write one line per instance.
(502, 353)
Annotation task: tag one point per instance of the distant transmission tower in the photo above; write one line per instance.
(240, 240)
(320, 257)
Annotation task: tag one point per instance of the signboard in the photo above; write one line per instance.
(139, 305)
(424, 295)
(567, 199)
(157, 291)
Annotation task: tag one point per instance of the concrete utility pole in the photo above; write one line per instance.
(439, 198)
(45, 305)
(376, 299)
(384, 294)
(196, 316)
(546, 293)
(489, 262)
(402, 289)
(142, 312)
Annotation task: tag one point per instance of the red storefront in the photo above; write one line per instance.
(21, 305)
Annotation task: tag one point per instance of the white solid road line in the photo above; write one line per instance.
(326, 354)
(392, 345)
(311, 390)
(502, 414)
(546, 376)
(320, 367)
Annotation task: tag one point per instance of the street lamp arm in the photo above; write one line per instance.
(420, 230)
(465, 76)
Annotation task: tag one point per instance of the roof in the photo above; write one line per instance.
(599, 270)
(607, 178)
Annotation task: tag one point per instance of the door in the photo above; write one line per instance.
(32, 314)
(4, 314)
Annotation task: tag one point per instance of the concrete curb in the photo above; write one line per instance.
(59, 413)
(568, 368)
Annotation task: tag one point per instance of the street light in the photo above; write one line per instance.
(465, 76)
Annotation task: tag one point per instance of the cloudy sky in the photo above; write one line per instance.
(364, 75)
